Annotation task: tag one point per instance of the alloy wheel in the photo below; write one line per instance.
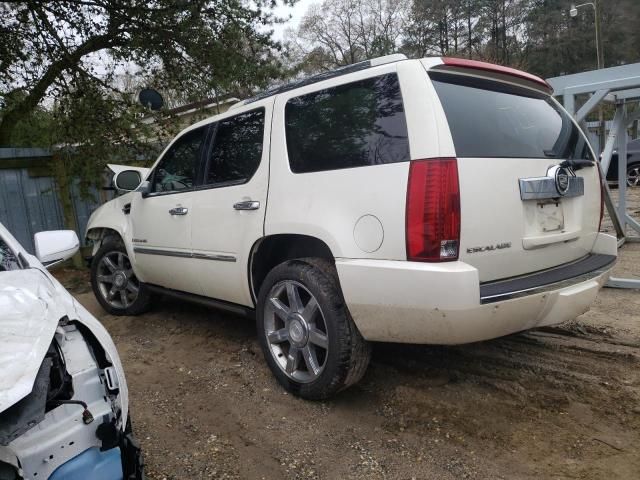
(633, 176)
(296, 331)
(116, 281)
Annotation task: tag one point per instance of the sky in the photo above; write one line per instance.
(296, 12)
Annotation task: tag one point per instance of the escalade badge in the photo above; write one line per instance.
(562, 180)
(489, 248)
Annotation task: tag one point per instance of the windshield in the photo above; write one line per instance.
(493, 119)
(8, 260)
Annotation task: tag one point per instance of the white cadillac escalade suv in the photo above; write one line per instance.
(439, 201)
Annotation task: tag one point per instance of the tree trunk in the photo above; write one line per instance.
(470, 38)
(63, 184)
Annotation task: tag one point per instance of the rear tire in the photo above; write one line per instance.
(305, 330)
(113, 282)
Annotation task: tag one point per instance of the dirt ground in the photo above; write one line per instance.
(557, 403)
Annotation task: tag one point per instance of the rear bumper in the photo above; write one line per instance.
(412, 302)
(580, 271)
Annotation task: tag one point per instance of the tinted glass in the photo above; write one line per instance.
(633, 146)
(353, 125)
(489, 119)
(177, 169)
(8, 260)
(237, 149)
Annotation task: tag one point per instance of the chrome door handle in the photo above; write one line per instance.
(248, 205)
(179, 211)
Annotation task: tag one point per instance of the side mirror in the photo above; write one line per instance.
(55, 246)
(127, 180)
(145, 188)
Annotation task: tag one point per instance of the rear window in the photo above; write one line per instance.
(490, 119)
(352, 125)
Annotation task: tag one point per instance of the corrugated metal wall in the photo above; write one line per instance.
(30, 204)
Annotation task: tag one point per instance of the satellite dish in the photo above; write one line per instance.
(151, 99)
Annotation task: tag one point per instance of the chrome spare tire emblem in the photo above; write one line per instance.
(562, 180)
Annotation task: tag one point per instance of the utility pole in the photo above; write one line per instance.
(599, 59)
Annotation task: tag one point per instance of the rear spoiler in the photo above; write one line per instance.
(497, 72)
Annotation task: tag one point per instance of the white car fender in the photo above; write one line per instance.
(112, 217)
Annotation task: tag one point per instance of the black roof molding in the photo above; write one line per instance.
(354, 67)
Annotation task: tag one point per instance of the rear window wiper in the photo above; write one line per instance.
(577, 164)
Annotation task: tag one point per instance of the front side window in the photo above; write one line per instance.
(352, 125)
(177, 169)
(8, 259)
(237, 149)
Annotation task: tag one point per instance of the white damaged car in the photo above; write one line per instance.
(63, 396)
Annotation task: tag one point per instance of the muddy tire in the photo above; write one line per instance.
(305, 330)
(114, 284)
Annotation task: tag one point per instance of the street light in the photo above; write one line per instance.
(573, 12)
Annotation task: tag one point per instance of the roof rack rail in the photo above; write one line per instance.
(355, 67)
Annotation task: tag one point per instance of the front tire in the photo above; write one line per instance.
(306, 332)
(114, 284)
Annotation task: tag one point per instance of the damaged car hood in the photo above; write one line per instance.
(30, 309)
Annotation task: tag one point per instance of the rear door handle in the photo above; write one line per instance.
(248, 205)
(179, 211)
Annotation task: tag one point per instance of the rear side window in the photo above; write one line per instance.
(490, 119)
(177, 169)
(237, 149)
(352, 125)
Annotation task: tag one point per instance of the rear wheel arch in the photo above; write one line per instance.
(271, 251)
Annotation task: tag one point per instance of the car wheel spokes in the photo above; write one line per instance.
(633, 177)
(296, 331)
(116, 280)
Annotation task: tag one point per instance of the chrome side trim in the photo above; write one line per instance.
(166, 253)
(198, 256)
(548, 287)
(219, 258)
(541, 188)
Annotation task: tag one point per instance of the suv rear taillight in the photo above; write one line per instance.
(433, 210)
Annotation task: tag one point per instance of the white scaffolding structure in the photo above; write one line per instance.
(619, 86)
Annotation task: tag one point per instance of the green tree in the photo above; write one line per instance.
(59, 49)
(341, 32)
